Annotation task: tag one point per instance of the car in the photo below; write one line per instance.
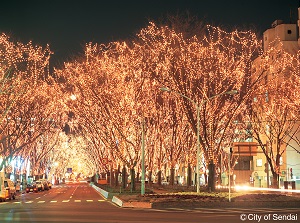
(10, 187)
(46, 185)
(18, 186)
(31, 188)
(40, 185)
(49, 184)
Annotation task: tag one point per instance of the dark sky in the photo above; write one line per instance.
(67, 25)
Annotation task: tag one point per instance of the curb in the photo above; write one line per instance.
(104, 193)
(116, 200)
(191, 205)
(132, 204)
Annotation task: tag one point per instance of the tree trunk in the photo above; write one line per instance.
(132, 180)
(150, 177)
(189, 176)
(159, 177)
(112, 177)
(117, 176)
(124, 177)
(211, 176)
(275, 180)
(172, 175)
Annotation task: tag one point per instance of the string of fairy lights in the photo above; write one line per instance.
(116, 89)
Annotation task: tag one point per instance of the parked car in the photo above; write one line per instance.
(10, 187)
(18, 186)
(49, 184)
(46, 186)
(40, 185)
(31, 188)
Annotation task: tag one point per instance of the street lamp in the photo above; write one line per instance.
(198, 123)
(143, 158)
(229, 170)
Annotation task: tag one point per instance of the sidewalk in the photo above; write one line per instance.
(162, 199)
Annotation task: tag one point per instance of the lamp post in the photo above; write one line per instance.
(198, 124)
(143, 158)
(229, 170)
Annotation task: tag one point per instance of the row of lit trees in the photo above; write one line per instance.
(30, 105)
(117, 87)
(112, 94)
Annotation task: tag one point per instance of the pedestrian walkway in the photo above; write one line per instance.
(51, 201)
(233, 210)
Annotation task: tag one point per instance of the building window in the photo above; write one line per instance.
(244, 163)
(259, 162)
(289, 31)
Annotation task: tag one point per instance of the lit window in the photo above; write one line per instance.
(280, 161)
(259, 162)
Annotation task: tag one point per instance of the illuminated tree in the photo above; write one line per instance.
(22, 66)
(274, 113)
(200, 69)
(117, 88)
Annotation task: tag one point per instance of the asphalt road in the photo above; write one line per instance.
(79, 202)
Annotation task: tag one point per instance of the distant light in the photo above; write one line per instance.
(73, 97)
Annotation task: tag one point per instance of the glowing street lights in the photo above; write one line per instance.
(231, 92)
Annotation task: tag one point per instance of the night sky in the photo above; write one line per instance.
(67, 25)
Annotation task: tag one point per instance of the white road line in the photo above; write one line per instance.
(64, 201)
(77, 200)
(89, 200)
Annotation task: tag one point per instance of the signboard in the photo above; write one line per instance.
(245, 148)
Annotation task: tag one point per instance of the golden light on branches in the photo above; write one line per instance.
(116, 86)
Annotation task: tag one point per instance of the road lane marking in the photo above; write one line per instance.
(77, 200)
(39, 202)
(89, 200)
(53, 201)
(17, 202)
(28, 202)
(64, 201)
(101, 200)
